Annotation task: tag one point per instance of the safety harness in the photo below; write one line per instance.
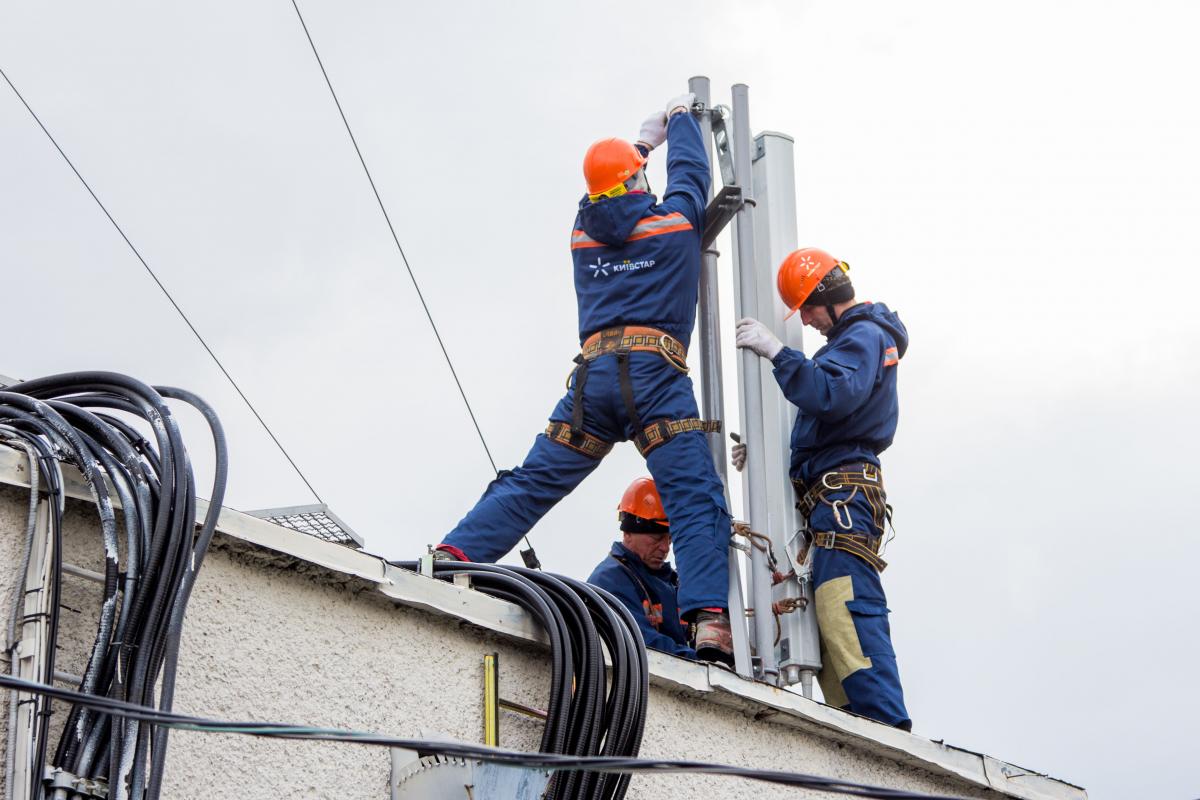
(860, 477)
(621, 341)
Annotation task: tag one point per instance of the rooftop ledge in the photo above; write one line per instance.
(781, 706)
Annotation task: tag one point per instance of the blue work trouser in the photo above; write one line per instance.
(859, 669)
(692, 493)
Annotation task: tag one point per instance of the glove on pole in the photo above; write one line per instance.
(654, 130)
(756, 337)
(682, 103)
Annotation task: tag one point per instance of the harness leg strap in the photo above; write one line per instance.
(626, 383)
(581, 374)
(662, 431)
(578, 440)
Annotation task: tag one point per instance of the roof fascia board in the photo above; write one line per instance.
(667, 672)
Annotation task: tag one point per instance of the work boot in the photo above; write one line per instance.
(445, 553)
(714, 637)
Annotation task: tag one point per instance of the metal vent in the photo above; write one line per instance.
(315, 520)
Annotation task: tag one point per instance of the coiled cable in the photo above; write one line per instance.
(76, 418)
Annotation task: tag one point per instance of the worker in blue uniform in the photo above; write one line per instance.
(637, 572)
(848, 409)
(637, 272)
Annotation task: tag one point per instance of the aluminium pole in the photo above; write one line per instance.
(751, 386)
(712, 393)
(776, 236)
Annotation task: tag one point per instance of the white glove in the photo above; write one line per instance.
(738, 458)
(682, 103)
(755, 336)
(654, 131)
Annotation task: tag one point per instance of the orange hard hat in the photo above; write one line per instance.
(641, 500)
(608, 164)
(801, 272)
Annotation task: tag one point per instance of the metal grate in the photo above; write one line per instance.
(315, 520)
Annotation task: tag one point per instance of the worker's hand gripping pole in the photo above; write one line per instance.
(746, 302)
(713, 395)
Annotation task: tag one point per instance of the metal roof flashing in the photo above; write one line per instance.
(290, 549)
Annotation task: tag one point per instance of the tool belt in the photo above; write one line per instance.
(859, 477)
(621, 341)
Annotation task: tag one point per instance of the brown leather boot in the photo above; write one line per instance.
(714, 637)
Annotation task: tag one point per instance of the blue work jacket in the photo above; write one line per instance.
(650, 595)
(637, 261)
(845, 393)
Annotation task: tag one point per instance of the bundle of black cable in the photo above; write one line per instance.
(586, 715)
(70, 419)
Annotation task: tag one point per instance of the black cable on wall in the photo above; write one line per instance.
(70, 419)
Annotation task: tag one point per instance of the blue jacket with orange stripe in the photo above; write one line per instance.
(650, 595)
(846, 392)
(637, 261)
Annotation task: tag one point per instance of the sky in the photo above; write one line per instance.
(1020, 181)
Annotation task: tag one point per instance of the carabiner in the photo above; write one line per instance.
(840, 507)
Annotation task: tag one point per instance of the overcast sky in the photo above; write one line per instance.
(1019, 180)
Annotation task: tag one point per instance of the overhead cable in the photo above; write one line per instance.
(513, 758)
(529, 555)
(395, 238)
(152, 274)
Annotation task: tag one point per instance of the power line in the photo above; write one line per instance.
(396, 239)
(184, 316)
(463, 750)
(529, 556)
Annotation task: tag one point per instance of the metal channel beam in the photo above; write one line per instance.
(712, 391)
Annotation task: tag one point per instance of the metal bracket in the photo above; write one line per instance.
(59, 779)
(721, 209)
(723, 146)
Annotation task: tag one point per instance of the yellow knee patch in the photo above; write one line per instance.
(831, 687)
(839, 638)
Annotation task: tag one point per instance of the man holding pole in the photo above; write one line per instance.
(847, 414)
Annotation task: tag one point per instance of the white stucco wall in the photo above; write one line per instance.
(270, 636)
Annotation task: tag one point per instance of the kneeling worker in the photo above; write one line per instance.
(637, 571)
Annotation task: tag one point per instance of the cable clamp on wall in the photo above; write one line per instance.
(60, 779)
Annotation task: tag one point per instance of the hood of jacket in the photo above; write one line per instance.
(611, 220)
(881, 315)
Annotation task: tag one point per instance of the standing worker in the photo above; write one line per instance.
(638, 574)
(846, 396)
(637, 274)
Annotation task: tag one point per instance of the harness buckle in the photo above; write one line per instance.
(668, 343)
